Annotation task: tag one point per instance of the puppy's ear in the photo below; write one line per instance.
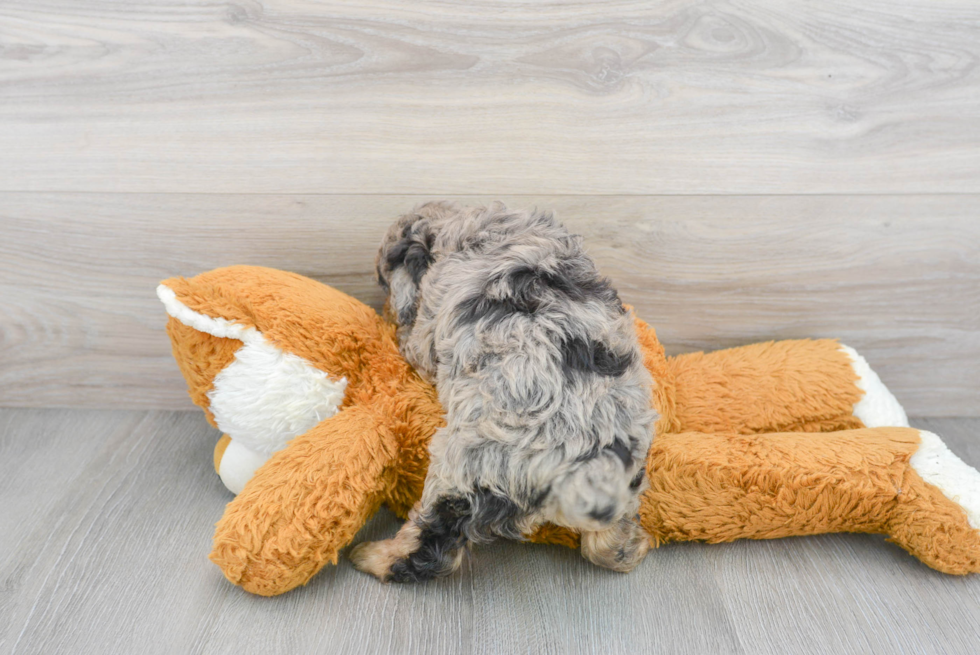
(405, 256)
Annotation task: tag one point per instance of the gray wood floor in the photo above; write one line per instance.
(106, 524)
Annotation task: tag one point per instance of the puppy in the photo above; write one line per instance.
(536, 362)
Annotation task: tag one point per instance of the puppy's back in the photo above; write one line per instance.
(538, 367)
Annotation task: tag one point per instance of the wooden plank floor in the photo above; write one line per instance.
(106, 527)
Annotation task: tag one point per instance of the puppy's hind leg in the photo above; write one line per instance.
(619, 547)
(429, 545)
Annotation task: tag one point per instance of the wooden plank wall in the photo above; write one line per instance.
(742, 172)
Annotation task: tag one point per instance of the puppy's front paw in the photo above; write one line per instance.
(374, 557)
(619, 548)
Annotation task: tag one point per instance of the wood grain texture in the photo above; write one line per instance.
(898, 278)
(108, 518)
(457, 96)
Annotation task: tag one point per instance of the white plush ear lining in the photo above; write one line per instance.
(218, 327)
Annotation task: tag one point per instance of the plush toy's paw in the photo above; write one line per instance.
(620, 547)
(937, 517)
(236, 463)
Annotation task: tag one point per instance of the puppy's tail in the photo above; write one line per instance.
(595, 494)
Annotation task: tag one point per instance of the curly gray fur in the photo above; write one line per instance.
(537, 364)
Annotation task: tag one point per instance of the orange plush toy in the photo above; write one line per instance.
(325, 422)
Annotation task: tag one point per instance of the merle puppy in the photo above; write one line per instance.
(536, 361)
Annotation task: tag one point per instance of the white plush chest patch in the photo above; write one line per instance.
(266, 396)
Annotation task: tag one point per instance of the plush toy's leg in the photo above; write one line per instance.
(805, 385)
(938, 518)
(306, 503)
(896, 481)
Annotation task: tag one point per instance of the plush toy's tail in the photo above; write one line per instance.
(305, 504)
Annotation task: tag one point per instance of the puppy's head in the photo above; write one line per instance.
(407, 251)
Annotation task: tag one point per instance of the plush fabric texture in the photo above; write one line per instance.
(219, 451)
(753, 442)
(722, 487)
(778, 386)
(200, 357)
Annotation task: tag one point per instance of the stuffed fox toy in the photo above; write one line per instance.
(324, 422)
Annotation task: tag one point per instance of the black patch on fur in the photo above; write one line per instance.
(480, 307)
(581, 283)
(591, 453)
(396, 255)
(417, 261)
(589, 356)
(434, 355)
(523, 296)
(442, 534)
(638, 478)
(617, 448)
(381, 278)
(407, 314)
(603, 515)
(620, 450)
(414, 251)
(494, 516)
(452, 522)
(538, 498)
(525, 285)
(621, 554)
(481, 362)
(528, 287)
